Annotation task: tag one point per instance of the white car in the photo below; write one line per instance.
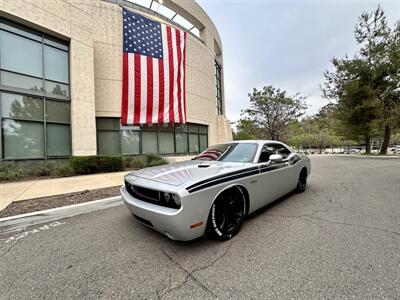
(216, 190)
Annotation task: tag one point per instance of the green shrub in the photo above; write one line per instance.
(134, 162)
(45, 170)
(154, 160)
(63, 171)
(9, 172)
(95, 164)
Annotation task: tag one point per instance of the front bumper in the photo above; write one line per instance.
(174, 223)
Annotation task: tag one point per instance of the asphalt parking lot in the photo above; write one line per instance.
(339, 239)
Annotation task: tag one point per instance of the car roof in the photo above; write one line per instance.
(254, 141)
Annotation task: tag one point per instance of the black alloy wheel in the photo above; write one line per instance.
(302, 182)
(227, 214)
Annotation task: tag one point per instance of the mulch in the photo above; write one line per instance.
(36, 204)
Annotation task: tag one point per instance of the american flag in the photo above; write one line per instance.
(153, 71)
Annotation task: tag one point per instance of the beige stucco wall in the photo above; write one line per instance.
(94, 28)
(69, 20)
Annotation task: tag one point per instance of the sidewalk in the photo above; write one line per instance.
(23, 190)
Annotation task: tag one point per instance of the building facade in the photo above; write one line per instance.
(61, 80)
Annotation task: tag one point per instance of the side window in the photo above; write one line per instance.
(266, 151)
(269, 149)
(282, 150)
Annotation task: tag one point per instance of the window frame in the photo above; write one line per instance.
(272, 145)
(218, 88)
(45, 40)
(174, 129)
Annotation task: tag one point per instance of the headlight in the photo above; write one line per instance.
(176, 200)
(172, 199)
(167, 197)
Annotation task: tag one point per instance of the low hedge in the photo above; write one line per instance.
(10, 172)
(95, 164)
(78, 165)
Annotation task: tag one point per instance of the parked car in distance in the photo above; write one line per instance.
(212, 193)
(354, 151)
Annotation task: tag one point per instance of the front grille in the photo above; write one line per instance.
(149, 195)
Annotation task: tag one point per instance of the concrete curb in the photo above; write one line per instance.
(14, 223)
(369, 156)
(354, 155)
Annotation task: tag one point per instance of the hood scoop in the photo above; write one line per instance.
(203, 166)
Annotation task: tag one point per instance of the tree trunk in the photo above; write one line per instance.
(367, 145)
(386, 140)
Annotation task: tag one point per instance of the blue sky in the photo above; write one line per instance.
(288, 44)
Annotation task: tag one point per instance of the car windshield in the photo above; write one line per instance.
(231, 152)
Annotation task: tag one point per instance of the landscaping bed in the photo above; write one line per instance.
(36, 204)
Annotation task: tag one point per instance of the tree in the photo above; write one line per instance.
(357, 106)
(380, 49)
(246, 130)
(366, 87)
(272, 110)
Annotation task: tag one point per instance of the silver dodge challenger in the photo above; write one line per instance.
(212, 193)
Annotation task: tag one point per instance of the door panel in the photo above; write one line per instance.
(271, 183)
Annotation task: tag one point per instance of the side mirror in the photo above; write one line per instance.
(275, 158)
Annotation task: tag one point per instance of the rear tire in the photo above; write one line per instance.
(227, 214)
(302, 181)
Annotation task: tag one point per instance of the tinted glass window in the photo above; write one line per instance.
(57, 89)
(20, 54)
(57, 111)
(234, 152)
(108, 142)
(58, 139)
(108, 124)
(166, 142)
(149, 142)
(23, 139)
(55, 64)
(21, 107)
(21, 81)
(181, 142)
(269, 149)
(129, 142)
(203, 142)
(194, 143)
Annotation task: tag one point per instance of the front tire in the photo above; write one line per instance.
(227, 214)
(302, 181)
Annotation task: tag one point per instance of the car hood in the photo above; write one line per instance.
(187, 172)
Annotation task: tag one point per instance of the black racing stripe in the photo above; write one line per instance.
(238, 174)
(270, 168)
(221, 180)
(221, 176)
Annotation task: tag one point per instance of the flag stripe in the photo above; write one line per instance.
(161, 89)
(171, 76)
(184, 76)
(156, 91)
(131, 85)
(143, 88)
(125, 88)
(137, 93)
(182, 82)
(175, 75)
(179, 55)
(149, 90)
(166, 74)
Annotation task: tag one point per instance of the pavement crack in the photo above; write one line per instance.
(312, 216)
(301, 216)
(359, 225)
(9, 249)
(189, 274)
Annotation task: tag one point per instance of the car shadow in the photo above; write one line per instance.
(202, 242)
(263, 209)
